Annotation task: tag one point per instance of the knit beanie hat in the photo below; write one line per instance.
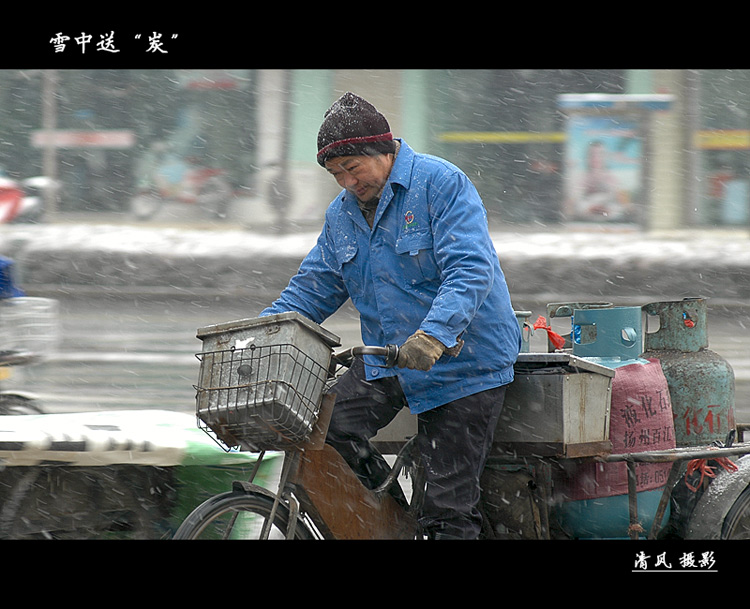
(353, 126)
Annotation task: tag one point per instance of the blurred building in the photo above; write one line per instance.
(687, 161)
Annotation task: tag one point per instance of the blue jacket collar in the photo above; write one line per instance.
(401, 171)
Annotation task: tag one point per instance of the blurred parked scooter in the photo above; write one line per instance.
(23, 201)
(166, 177)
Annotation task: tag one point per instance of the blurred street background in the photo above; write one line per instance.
(652, 149)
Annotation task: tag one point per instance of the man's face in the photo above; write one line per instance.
(363, 176)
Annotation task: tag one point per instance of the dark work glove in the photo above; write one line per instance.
(420, 352)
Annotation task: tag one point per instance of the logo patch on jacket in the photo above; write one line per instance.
(409, 220)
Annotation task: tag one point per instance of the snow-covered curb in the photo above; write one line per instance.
(557, 262)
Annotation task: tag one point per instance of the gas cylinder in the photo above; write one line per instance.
(701, 383)
(565, 309)
(592, 498)
(523, 322)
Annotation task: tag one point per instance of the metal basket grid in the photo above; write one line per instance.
(259, 397)
(29, 327)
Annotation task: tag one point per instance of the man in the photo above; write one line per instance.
(407, 240)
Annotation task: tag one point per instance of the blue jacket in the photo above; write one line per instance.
(429, 263)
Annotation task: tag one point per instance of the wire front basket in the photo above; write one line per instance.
(259, 397)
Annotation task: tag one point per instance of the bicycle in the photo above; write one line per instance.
(318, 496)
(259, 391)
(29, 334)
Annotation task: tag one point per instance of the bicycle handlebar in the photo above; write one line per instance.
(389, 352)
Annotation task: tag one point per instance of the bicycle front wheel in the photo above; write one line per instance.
(239, 515)
(737, 522)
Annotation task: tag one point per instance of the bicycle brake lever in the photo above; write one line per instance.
(344, 358)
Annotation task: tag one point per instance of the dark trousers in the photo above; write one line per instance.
(454, 441)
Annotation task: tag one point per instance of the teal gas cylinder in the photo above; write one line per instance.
(565, 310)
(701, 383)
(612, 335)
(591, 499)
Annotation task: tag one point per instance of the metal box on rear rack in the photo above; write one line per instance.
(262, 379)
(558, 405)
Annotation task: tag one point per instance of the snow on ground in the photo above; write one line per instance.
(217, 240)
(157, 240)
(590, 245)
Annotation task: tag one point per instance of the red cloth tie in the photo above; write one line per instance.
(541, 324)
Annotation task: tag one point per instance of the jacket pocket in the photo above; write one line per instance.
(417, 258)
(351, 271)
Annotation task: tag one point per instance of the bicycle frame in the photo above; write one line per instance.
(316, 481)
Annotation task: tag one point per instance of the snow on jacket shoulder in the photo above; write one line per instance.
(428, 262)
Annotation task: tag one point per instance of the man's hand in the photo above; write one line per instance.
(420, 352)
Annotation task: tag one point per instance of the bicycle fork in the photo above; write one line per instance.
(281, 493)
(289, 461)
